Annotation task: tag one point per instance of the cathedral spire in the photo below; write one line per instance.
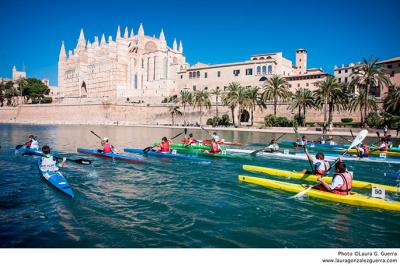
(14, 68)
(162, 36)
(103, 41)
(141, 30)
(174, 46)
(132, 35)
(180, 47)
(63, 54)
(118, 33)
(126, 33)
(81, 40)
(96, 41)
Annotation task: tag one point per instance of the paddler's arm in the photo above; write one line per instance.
(326, 185)
(309, 157)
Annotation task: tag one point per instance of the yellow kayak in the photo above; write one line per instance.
(314, 178)
(352, 199)
(378, 153)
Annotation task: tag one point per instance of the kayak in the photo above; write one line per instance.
(112, 155)
(314, 178)
(24, 150)
(328, 156)
(57, 180)
(198, 152)
(169, 155)
(354, 198)
(378, 153)
(220, 142)
(191, 146)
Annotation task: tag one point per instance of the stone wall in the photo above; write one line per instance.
(132, 114)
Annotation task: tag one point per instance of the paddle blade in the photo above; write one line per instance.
(18, 147)
(359, 138)
(254, 153)
(91, 131)
(82, 161)
(302, 193)
(146, 150)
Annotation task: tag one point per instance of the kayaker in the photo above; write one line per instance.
(385, 130)
(362, 150)
(272, 147)
(320, 165)
(107, 147)
(215, 137)
(341, 182)
(32, 143)
(214, 147)
(305, 141)
(384, 146)
(190, 140)
(164, 145)
(48, 163)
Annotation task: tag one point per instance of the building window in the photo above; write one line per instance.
(392, 74)
(190, 75)
(205, 74)
(249, 71)
(264, 69)
(205, 88)
(142, 63)
(269, 69)
(198, 74)
(306, 84)
(181, 76)
(345, 79)
(136, 81)
(340, 79)
(298, 85)
(236, 72)
(219, 74)
(345, 71)
(389, 66)
(340, 71)
(258, 70)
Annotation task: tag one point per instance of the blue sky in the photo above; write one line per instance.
(333, 32)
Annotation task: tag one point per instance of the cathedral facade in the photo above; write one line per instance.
(132, 66)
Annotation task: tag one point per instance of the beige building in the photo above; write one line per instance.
(129, 66)
(391, 66)
(16, 75)
(252, 72)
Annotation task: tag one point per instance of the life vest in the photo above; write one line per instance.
(107, 148)
(164, 146)
(28, 144)
(274, 147)
(345, 189)
(34, 145)
(214, 147)
(48, 164)
(365, 150)
(384, 147)
(191, 140)
(320, 167)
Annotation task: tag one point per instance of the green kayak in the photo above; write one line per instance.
(199, 152)
(196, 146)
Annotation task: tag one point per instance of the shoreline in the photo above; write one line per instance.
(279, 130)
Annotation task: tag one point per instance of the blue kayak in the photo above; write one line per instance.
(57, 180)
(168, 155)
(112, 155)
(25, 150)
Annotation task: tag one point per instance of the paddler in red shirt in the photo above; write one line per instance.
(214, 147)
(164, 145)
(107, 147)
(191, 140)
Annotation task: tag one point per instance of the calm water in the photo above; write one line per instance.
(171, 203)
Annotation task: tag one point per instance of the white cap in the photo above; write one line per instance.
(105, 139)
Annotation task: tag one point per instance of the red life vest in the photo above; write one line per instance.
(164, 146)
(385, 148)
(214, 148)
(324, 171)
(28, 144)
(191, 140)
(107, 148)
(345, 189)
(365, 149)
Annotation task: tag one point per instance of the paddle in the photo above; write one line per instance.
(345, 139)
(304, 147)
(357, 140)
(91, 131)
(78, 161)
(257, 151)
(351, 132)
(147, 149)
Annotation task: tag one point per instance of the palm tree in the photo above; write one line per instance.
(217, 92)
(367, 75)
(230, 98)
(254, 98)
(174, 111)
(302, 99)
(330, 94)
(201, 98)
(358, 101)
(185, 98)
(392, 101)
(243, 101)
(276, 89)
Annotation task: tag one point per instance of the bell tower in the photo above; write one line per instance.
(301, 61)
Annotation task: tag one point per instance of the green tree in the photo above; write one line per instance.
(332, 95)
(230, 98)
(392, 101)
(201, 98)
(254, 97)
(185, 98)
(369, 74)
(10, 92)
(275, 89)
(174, 111)
(302, 99)
(217, 92)
(2, 93)
(35, 90)
(243, 101)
